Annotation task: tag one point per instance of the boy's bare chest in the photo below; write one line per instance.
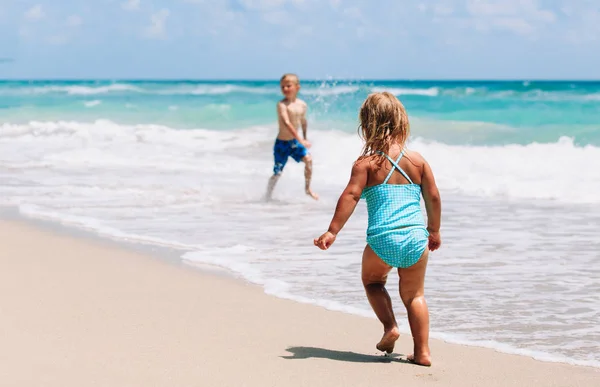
(295, 110)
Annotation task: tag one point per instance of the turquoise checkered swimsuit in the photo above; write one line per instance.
(396, 232)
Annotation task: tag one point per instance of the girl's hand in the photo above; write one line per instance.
(435, 240)
(325, 241)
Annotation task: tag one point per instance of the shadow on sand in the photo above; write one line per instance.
(347, 356)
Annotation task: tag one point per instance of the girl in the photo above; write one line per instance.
(392, 179)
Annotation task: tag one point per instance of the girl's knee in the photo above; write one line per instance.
(373, 279)
(307, 159)
(410, 297)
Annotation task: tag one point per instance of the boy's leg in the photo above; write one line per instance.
(280, 156)
(272, 181)
(308, 176)
(412, 284)
(374, 277)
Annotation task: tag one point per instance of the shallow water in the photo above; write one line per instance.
(186, 164)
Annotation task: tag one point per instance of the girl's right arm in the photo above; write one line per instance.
(346, 204)
(433, 205)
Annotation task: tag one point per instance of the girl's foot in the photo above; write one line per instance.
(388, 341)
(423, 360)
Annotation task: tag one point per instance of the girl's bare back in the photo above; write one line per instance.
(412, 163)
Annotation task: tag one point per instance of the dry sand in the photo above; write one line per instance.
(79, 312)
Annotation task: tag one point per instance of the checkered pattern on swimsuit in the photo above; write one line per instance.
(396, 229)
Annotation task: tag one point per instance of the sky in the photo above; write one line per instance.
(318, 39)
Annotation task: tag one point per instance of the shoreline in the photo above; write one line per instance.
(96, 313)
(176, 256)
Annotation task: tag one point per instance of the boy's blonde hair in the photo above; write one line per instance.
(383, 121)
(290, 76)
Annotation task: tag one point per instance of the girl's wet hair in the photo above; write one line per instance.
(383, 121)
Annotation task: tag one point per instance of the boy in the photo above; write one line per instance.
(291, 113)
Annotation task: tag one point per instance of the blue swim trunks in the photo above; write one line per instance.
(284, 149)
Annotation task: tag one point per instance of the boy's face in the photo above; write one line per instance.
(289, 88)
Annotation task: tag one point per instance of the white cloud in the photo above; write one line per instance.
(74, 21)
(276, 17)
(521, 17)
(217, 18)
(443, 9)
(24, 32)
(57, 40)
(487, 8)
(301, 4)
(519, 26)
(360, 32)
(131, 5)
(305, 31)
(35, 13)
(262, 4)
(525, 9)
(353, 12)
(158, 25)
(583, 24)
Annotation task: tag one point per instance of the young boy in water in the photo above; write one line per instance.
(291, 114)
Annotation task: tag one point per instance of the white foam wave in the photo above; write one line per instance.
(84, 90)
(328, 91)
(200, 190)
(281, 289)
(505, 348)
(229, 89)
(484, 92)
(226, 89)
(526, 95)
(531, 171)
(429, 92)
(324, 90)
(228, 258)
(98, 227)
(93, 103)
(592, 97)
(511, 171)
(216, 89)
(528, 172)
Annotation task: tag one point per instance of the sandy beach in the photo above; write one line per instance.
(80, 312)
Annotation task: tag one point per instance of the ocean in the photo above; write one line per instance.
(184, 164)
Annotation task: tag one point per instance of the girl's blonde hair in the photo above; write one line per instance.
(383, 121)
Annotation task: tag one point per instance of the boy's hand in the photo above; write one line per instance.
(306, 143)
(435, 240)
(325, 241)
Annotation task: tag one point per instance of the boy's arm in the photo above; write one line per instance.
(304, 122)
(285, 118)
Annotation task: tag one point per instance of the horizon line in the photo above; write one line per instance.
(120, 79)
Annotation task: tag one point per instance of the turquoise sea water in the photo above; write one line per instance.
(516, 112)
(184, 164)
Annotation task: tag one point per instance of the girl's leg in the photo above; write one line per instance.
(374, 277)
(412, 283)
